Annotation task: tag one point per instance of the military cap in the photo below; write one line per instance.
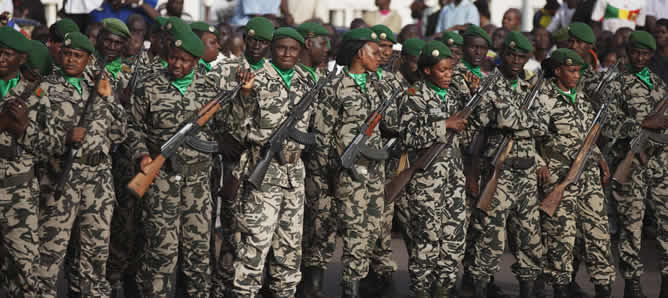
(115, 26)
(159, 23)
(39, 57)
(565, 56)
(203, 27)
(643, 40)
(412, 47)
(475, 30)
(189, 42)
(560, 35)
(384, 33)
(176, 26)
(65, 26)
(288, 32)
(260, 28)
(78, 41)
(362, 34)
(310, 29)
(437, 50)
(12, 39)
(582, 32)
(517, 42)
(450, 39)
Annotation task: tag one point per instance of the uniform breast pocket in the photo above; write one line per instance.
(436, 114)
(271, 110)
(166, 116)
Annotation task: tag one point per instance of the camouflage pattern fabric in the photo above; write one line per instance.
(589, 80)
(658, 194)
(583, 202)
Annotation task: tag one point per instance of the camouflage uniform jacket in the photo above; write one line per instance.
(589, 80)
(19, 156)
(159, 111)
(460, 83)
(260, 114)
(118, 83)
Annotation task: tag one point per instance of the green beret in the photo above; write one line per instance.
(436, 49)
(565, 56)
(260, 28)
(475, 30)
(176, 26)
(158, 23)
(451, 38)
(384, 33)
(362, 34)
(116, 26)
(78, 41)
(203, 27)
(189, 42)
(560, 35)
(518, 42)
(643, 40)
(65, 26)
(582, 32)
(288, 32)
(39, 57)
(12, 39)
(412, 47)
(309, 30)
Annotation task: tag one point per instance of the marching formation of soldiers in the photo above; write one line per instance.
(111, 166)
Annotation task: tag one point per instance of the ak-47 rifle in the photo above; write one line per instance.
(287, 130)
(399, 182)
(72, 149)
(143, 180)
(638, 146)
(551, 202)
(504, 149)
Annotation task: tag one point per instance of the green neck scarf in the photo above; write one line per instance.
(8, 85)
(257, 65)
(182, 84)
(379, 72)
(164, 63)
(359, 78)
(514, 83)
(286, 75)
(441, 92)
(474, 69)
(571, 95)
(114, 67)
(645, 77)
(310, 70)
(74, 81)
(205, 65)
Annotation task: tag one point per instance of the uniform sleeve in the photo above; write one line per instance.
(137, 124)
(323, 119)
(422, 128)
(40, 138)
(351, 115)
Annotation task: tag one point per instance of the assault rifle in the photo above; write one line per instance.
(399, 182)
(287, 130)
(504, 149)
(143, 180)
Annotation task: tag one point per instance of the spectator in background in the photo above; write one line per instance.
(622, 36)
(489, 28)
(563, 16)
(30, 9)
(512, 19)
(383, 16)
(79, 11)
(659, 63)
(409, 31)
(608, 57)
(426, 16)
(235, 46)
(137, 25)
(656, 9)
(498, 37)
(224, 35)
(455, 14)
(543, 43)
(251, 8)
(40, 33)
(543, 17)
(123, 9)
(358, 23)
(92, 32)
(615, 14)
(605, 40)
(483, 11)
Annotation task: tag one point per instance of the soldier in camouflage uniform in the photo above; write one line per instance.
(436, 199)
(658, 194)
(88, 195)
(581, 39)
(23, 135)
(271, 214)
(177, 208)
(515, 203)
(637, 92)
(455, 43)
(570, 116)
(57, 33)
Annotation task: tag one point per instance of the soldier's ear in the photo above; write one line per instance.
(308, 44)
(23, 58)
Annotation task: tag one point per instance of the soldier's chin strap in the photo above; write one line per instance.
(201, 146)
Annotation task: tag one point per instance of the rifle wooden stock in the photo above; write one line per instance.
(487, 194)
(399, 182)
(551, 202)
(624, 168)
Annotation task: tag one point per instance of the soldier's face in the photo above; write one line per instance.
(255, 48)
(157, 43)
(54, 51)
(10, 62)
(661, 36)
(134, 45)
(475, 50)
(211, 46)
(409, 67)
(368, 55)
(567, 75)
(74, 61)
(512, 62)
(317, 47)
(285, 53)
(385, 47)
(639, 57)
(441, 73)
(457, 53)
(579, 46)
(111, 45)
(181, 63)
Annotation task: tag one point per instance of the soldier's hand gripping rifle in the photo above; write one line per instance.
(638, 146)
(143, 180)
(72, 149)
(287, 130)
(504, 149)
(399, 182)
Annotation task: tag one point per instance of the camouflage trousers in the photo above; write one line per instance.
(437, 208)
(19, 239)
(271, 217)
(582, 207)
(319, 238)
(359, 210)
(89, 199)
(514, 208)
(402, 214)
(223, 279)
(176, 216)
(658, 197)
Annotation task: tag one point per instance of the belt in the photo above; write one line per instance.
(519, 163)
(286, 157)
(188, 169)
(17, 179)
(10, 152)
(93, 159)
